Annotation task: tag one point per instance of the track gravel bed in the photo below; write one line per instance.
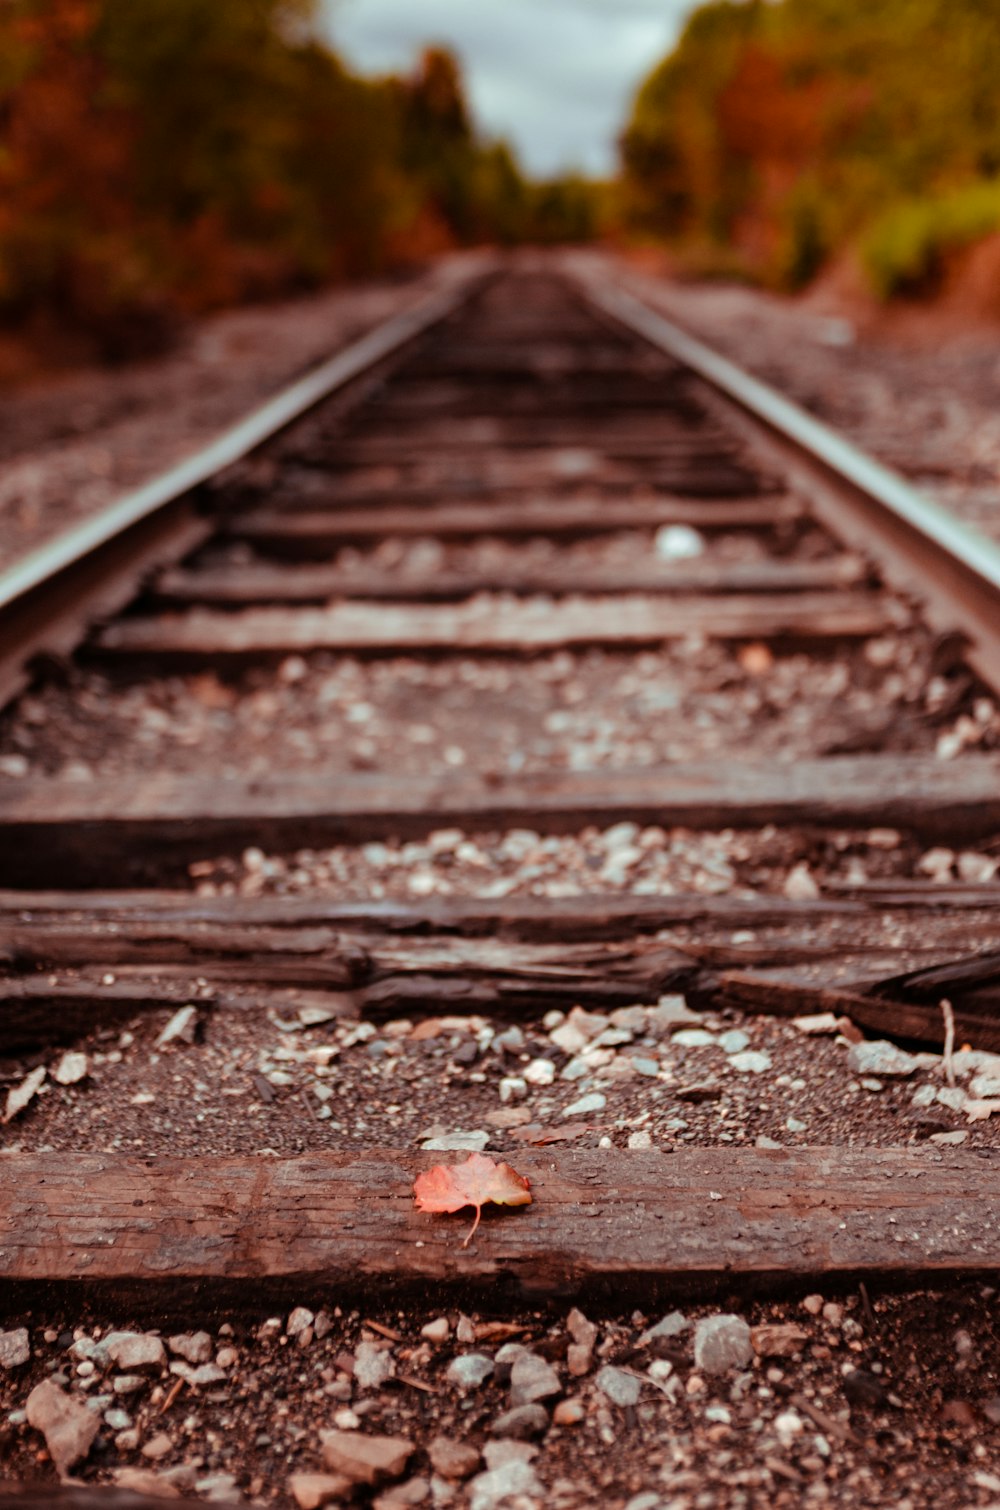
(254, 1081)
(572, 711)
(71, 445)
(837, 1400)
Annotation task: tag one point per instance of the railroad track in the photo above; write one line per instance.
(527, 660)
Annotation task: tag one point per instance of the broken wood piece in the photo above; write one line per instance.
(80, 1496)
(394, 976)
(895, 1017)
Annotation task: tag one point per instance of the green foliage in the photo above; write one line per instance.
(677, 175)
(906, 250)
(783, 129)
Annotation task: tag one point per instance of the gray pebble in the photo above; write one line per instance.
(15, 1348)
(880, 1058)
(195, 1347)
(595, 1102)
(693, 1038)
(469, 1370)
(722, 1343)
(620, 1387)
(751, 1062)
(489, 1490)
(373, 1365)
(458, 1142)
(671, 1326)
(134, 1352)
(521, 1423)
(531, 1379)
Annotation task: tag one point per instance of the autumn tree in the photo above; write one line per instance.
(781, 129)
(161, 157)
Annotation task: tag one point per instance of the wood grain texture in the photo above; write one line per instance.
(324, 528)
(494, 625)
(389, 977)
(607, 1223)
(476, 438)
(263, 583)
(115, 830)
(591, 915)
(78, 1496)
(887, 1013)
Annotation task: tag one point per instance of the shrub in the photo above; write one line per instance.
(906, 250)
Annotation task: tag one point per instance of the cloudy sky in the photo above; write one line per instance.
(553, 76)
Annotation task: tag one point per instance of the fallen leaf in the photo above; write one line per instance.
(449, 1187)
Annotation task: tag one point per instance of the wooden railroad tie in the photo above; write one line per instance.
(325, 527)
(641, 1224)
(263, 582)
(53, 829)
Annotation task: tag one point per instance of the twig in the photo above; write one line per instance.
(383, 1331)
(827, 1423)
(949, 1041)
(172, 1394)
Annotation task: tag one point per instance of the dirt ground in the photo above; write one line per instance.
(70, 444)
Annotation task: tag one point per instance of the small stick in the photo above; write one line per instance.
(949, 1041)
(172, 1394)
(827, 1423)
(384, 1331)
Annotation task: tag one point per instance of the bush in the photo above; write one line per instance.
(906, 251)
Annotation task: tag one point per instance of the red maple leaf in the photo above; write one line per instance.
(449, 1187)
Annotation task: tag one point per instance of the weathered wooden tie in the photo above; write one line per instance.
(611, 1225)
(323, 527)
(387, 959)
(488, 624)
(119, 828)
(263, 582)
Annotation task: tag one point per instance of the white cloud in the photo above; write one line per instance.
(555, 77)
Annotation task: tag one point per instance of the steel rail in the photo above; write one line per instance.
(50, 597)
(921, 549)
